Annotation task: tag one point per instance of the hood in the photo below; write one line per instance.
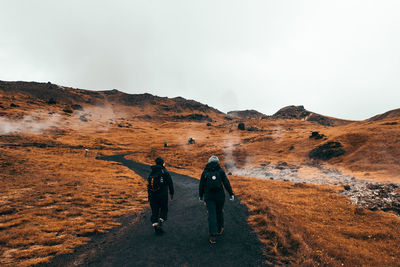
(213, 166)
(156, 168)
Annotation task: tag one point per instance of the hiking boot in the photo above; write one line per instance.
(157, 228)
(213, 239)
(220, 231)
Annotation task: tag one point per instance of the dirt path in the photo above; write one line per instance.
(185, 242)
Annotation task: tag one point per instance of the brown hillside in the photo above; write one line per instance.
(392, 114)
(32, 95)
(54, 198)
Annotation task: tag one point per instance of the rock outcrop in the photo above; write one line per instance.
(316, 135)
(245, 114)
(300, 113)
(327, 151)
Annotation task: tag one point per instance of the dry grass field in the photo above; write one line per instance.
(53, 199)
(309, 225)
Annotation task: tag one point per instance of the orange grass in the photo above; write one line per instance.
(54, 199)
(311, 225)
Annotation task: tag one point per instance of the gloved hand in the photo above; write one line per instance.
(232, 198)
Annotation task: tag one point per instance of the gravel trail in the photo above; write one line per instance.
(185, 242)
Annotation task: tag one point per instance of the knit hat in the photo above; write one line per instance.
(159, 161)
(213, 159)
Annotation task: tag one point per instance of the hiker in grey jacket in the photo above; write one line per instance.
(211, 189)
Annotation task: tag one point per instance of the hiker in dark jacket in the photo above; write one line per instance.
(211, 189)
(159, 182)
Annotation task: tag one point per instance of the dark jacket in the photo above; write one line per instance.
(211, 167)
(167, 184)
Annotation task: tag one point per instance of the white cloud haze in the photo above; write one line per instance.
(338, 58)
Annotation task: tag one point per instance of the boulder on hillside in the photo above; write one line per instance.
(83, 118)
(52, 101)
(327, 151)
(76, 107)
(316, 135)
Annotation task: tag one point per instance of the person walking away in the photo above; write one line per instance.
(211, 188)
(159, 182)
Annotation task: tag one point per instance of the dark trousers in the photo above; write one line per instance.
(215, 215)
(159, 207)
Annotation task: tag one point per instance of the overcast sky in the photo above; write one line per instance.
(337, 58)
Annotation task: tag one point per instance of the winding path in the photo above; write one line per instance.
(185, 242)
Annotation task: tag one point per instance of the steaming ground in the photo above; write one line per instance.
(291, 173)
(367, 194)
(40, 121)
(29, 124)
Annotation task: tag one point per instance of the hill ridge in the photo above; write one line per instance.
(54, 94)
(50, 92)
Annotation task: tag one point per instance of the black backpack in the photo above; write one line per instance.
(156, 180)
(213, 181)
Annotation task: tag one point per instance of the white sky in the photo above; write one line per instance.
(338, 58)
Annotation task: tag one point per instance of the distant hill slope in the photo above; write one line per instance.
(245, 114)
(392, 114)
(165, 104)
(300, 113)
(34, 95)
(138, 104)
(47, 91)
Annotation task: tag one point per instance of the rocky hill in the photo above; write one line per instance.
(392, 114)
(34, 95)
(245, 114)
(300, 113)
(48, 92)
(145, 105)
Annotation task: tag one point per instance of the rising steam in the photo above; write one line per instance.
(29, 124)
(40, 121)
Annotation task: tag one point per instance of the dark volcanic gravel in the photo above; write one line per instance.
(185, 242)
